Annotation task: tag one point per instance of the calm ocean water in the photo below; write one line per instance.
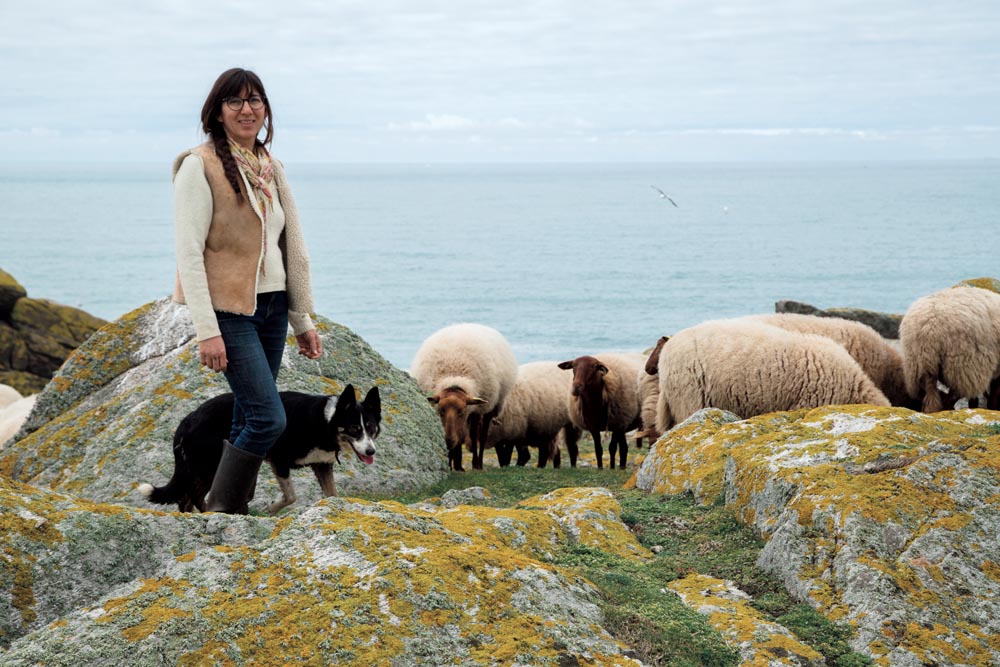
(562, 259)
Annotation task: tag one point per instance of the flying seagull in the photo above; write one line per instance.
(664, 195)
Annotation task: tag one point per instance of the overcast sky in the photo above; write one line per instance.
(510, 80)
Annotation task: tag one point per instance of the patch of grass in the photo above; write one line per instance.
(512, 485)
(638, 611)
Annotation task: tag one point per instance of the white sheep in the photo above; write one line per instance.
(534, 414)
(751, 368)
(605, 397)
(953, 336)
(13, 416)
(8, 395)
(874, 354)
(468, 370)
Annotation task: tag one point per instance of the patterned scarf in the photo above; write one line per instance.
(259, 173)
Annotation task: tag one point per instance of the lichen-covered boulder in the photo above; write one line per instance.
(680, 462)
(59, 553)
(105, 422)
(992, 284)
(344, 582)
(36, 336)
(10, 292)
(729, 610)
(883, 518)
(887, 324)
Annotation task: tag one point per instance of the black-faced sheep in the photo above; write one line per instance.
(468, 370)
(604, 397)
(874, 354)
(534, 414)
(750, 368)
(953, 336)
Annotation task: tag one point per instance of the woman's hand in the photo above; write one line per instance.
(310, 344)
(212, 352)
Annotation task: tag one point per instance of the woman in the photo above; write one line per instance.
(243, 270)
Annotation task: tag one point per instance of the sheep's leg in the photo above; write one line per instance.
(523, 455)
(993, 395)
(543, 454)
(324, 475)
(973, 402)
(455, 458)
(572, 437)
(476, 426)
(484, 432)
(932, 395)
(504, 451)
(555, 454)
(598, 450)
(622, 450)
(613, 449)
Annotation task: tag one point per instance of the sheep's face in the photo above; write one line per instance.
(588, 375)
(453, 409)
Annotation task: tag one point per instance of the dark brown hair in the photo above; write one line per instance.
(232, 83)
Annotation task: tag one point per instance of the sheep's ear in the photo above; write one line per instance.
(566, 365)
(433, 399)
(601, 368)
(653, 362)
(476, 401)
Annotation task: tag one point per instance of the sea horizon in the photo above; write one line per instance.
(562, 258)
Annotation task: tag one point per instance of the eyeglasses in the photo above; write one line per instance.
(236, 103)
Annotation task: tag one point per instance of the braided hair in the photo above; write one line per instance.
(234, 82)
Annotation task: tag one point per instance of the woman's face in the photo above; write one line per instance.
(243, 125)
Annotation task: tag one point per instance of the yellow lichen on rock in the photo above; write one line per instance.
(761, 643)
(864, 510)
(591, 517)
(356, 582)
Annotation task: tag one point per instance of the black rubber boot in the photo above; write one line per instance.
(235, 481)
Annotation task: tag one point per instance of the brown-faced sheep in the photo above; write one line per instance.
(750, 368)
(468, 370)
(874, 354)
(953, 336)
(534, 414)
(604, 397)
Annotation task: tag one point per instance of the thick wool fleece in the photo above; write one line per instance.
(221, 249)
(535, 409)
(473, 357)
(952, 336)
(874, 354)
(750, 368)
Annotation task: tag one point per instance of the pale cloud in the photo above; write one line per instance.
(530, 78)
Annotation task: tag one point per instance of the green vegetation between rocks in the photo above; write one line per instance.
(689, 538)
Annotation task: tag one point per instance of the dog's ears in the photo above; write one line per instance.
(348, 394)
(373, 401)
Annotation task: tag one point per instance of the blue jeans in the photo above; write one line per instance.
(254, 346)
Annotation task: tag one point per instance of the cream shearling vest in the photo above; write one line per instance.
(234, 244)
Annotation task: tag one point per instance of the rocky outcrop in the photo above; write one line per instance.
(105, 422)
(991, 284)
(36, 336)
(887, 324)
(882, 518)
(344, 582)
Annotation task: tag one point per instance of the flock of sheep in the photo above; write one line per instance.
(749, 366)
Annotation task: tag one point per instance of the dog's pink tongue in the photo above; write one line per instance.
(367, 460)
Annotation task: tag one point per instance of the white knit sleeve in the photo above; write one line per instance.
(192, 218)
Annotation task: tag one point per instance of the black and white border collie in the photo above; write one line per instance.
(318, 428)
